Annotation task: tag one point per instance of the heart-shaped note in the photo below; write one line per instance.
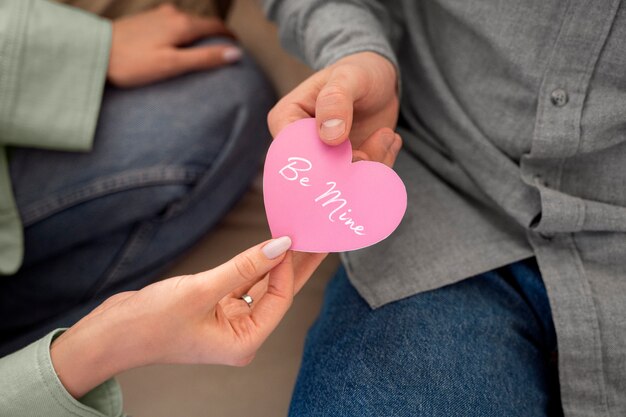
(314, 193)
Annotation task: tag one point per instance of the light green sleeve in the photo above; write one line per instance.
(53, 63)
(29, 386)
(11, 236)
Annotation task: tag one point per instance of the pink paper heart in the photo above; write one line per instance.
(314, 194)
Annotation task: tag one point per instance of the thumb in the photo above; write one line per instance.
(335, 105)
(246, 268)
(183, 60)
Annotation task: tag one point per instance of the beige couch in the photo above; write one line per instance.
(264, 387)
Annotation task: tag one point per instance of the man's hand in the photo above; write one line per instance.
(357, 98)
(149, 46)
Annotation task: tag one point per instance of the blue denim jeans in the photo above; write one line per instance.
(168, 161)
(485, 346)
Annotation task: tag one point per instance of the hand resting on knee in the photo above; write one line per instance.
(152, 46)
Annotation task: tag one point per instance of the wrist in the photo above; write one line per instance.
(90, 353)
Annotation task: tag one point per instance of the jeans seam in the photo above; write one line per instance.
(203, 180)
(102, 186)
(135, 244)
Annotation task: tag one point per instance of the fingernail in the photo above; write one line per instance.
(387, 139)
(232, 54)
(332, 129)
(276, 247)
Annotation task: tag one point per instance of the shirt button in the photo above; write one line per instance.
(559, 97)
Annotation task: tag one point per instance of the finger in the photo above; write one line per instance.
(382, 146)
(335, 103)
(296, 105)
(255, 291)
(358, 155)
(273, 305)
(259, 289)
(192, 28)
(246, 268)
(183, 60)
(304, 266)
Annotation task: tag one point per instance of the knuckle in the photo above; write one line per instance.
(271, 115)
(245, 266)
(168, 8)
(332, 94)
(117, 297)
(272, 118)
(183, 21)
(270, 125)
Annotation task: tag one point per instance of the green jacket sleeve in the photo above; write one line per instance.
(29, 386)
(11, 236)
(52, 72)
(53, 62)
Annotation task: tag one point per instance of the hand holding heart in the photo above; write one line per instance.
(361, 91)
(325, 203)
(355, 97)
(188, 319)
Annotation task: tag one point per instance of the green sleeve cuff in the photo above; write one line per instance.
(52, 74)
(29, 386)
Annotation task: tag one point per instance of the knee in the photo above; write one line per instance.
(242, 84)
(427, 354)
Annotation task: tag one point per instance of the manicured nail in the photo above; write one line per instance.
(276, 247)
(232, 54)
(332, 129)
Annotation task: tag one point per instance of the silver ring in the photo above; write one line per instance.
(249, 300)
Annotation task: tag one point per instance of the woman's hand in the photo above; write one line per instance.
(356, 97)
(188, 319)
(149, 46)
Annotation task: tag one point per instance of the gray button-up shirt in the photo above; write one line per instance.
(513, 115)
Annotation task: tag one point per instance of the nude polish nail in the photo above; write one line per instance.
(232, 55)
(276, 247)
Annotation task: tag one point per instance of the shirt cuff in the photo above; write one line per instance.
(347, 29)
(29, 386)
(53, 72)
(322, 32)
